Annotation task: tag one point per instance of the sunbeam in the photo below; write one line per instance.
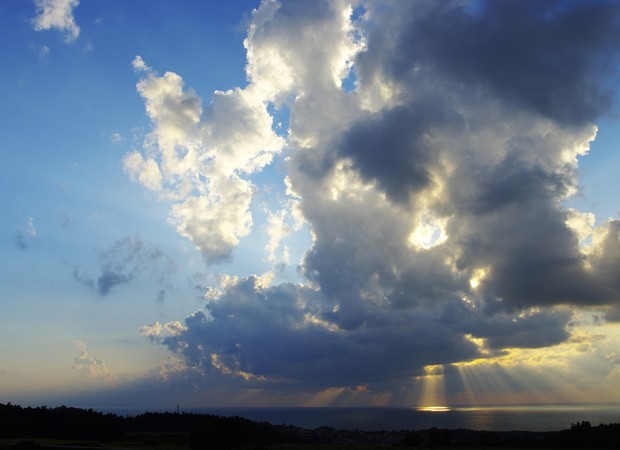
(433, 395)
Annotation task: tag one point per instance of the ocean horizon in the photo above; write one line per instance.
(539, 417)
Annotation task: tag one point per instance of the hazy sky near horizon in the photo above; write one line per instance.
(309, 203)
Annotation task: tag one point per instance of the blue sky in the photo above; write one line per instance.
(300, 203)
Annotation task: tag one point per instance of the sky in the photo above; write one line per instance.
(295, 203)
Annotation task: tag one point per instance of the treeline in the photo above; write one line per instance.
(204, 431)
(60, 423)
(584, 435)
(216, 432)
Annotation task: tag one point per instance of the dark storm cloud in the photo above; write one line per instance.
(391, 147)
(534, 329)
(465, 69)
(613, 314)
(547, 56)
(281, 334)
(511, 182)
(123, 261)
(607, 261)
(521, 232)
(534, 256)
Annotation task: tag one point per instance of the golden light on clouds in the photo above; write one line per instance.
(555, 374)
(478, 277)
(429, 232)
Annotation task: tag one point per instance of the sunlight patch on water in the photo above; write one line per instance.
(434, 409)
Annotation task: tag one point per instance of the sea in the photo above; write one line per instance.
(491, 418)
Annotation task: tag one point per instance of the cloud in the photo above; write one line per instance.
(20, 241)
(22, 237)
(161, 296)
(434, 190)
(87, 365)
(44, 52)
(530, 329)
(126, 259)
(517, 51)
(525, 375)
(279, 225)
(31, 229)
(156, 332)
(57, 14)
(288, 334)
(139, 65)
(200, 159)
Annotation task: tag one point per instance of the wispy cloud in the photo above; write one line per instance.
(31, 229)
(116, 138)
(126, 259)
(44, 52)
(24, 236)
(20, 241)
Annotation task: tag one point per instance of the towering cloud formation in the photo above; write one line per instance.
(432, 177)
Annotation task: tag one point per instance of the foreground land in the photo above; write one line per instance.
(73, 428)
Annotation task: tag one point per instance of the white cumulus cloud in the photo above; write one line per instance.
(200, 159)
(58, 15)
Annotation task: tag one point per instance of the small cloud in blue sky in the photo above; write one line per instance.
(24, 236)
(57, 15)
